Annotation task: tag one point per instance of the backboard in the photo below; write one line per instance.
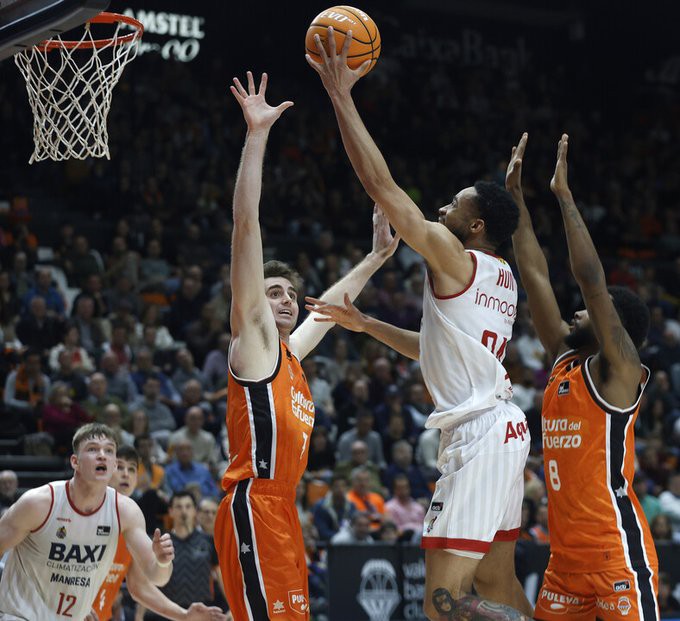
(24, 23)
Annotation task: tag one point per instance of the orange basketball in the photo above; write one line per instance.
(365, 36)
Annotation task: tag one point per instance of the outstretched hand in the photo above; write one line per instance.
(559, 183)
(384, 243)
(348, 316)
(336, 76)
(258, 113)
(162, 547)
(201, 612)
(513, 176)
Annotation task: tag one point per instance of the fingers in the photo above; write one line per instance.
(313, 64)
(251, 83)
(346, 46)
(311, 300)
(364, 67)
(522, 145)
(321, 48)
(348, 300)
(263, 85)
(284, 106)
(157, 535)
(239, 88)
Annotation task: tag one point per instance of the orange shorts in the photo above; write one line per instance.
(621, 595)
(261, 551)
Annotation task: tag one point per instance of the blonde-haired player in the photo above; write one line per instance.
(63, 536)
(124, 481)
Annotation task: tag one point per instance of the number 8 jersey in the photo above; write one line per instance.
(594, 517)
(463, 339)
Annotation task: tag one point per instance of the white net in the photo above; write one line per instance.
(70, 87)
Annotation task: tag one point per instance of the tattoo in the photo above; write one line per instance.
(472, 608)
(624, 345)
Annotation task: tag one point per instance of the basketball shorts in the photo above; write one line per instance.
(261, 552)
(614, 595)
(478, 498)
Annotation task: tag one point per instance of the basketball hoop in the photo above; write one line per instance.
(70, 87)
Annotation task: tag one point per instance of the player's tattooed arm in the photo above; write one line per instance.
(472, 608)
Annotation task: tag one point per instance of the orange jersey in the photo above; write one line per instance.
(111, 585)
(269, 424)
(596, 522)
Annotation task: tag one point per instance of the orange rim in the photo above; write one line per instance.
(102, 18)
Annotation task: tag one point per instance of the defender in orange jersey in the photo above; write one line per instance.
(603, 563)
(270, 413)
(124, 481)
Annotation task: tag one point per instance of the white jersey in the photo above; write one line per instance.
(463, 339)
(55, 573)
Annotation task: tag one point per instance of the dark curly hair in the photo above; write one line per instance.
(633, 313)
(498, 210)
(273, 269)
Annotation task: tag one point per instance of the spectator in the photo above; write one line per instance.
(670, 503)
(427, 451)
(201, 334)
(25, 391)
(161, 421)
(195, 565)
(393, 405)
(91, 330)
(37, 330)
(651, 505)
(358, 532)
(9, 488)
(668, 604)
(120, 345)
(113, 419)
(402, 463)
(359, 457)
(61, 417)
(393, 432)
(363, 431)
(186, 370)
(319, 387)
(80, 360)
(184, 471)
(154, 270)
(54, 301)
(93, 288)
(356, 401)
(388, 533)
(418, 405)
(119, 382)
(539, 531)
(151, 318)
(661, 528)
(151, 473)
(203, 444)
(207, 512)
(403, 510)
(321, 459)
(145, 369)
(98, 398)
(333, 511)
(67, 375)
(80, 263)
(193, 396)
(365, 500)
(216, 365)
(185, 307)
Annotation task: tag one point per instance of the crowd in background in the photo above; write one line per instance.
(127, 322)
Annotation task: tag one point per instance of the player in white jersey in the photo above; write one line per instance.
(469, 308)
(62, 537)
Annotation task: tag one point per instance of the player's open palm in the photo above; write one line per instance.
(258, 113)
(559, 184)
(201, 612)
(384, 243)
(513, 176)
(346, 315)
(335, 74)
(162, 547)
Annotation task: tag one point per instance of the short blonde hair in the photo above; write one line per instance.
(93, 431)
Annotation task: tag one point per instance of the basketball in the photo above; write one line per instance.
(365, 36)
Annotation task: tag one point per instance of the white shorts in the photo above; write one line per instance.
(478, 498)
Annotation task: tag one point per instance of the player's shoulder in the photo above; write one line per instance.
(34, 507)
(38, 496)
(128, 511)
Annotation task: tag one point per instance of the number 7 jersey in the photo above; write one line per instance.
(596, 521)
(463, 339)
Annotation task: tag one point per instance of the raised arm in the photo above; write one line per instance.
(310, 332)
(406, 342)
(442, 250)
(255, 341)
(153, 557)
(533, 267)
(151, 597)
(617, 351)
